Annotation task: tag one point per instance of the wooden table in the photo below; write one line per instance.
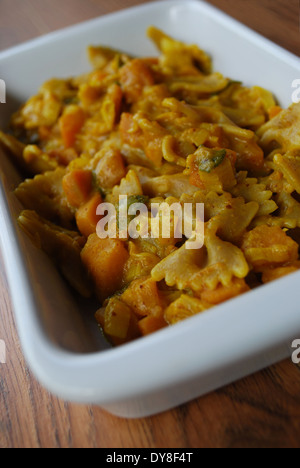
(260, 411)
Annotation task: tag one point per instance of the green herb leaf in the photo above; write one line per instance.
(97, 186)
(208, 164)
(137, 199)
(131, 200)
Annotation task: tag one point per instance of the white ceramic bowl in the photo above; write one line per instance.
(60, 339)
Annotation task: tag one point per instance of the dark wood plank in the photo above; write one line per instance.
(277, 20)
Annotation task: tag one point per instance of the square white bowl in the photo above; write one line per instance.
(60, 339)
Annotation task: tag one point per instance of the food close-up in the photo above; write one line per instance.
(159, 130)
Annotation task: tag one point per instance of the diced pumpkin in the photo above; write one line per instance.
(273, 274)
(119, 323)
(184, 308)
(131, 134)
(105, 260)
(70, 124)
(212, 169)
(143, 298)
(134, 77)
(110, 169)
(267, 246)
(224, 293)
(117, 319)
(86, 216)
(151, 324)
(77, 186)
(250, 156)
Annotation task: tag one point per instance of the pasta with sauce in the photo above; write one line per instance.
(165, 129)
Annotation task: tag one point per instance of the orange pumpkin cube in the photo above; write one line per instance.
(267, 246)
(70, 124)
(86, 216)
(143, 298)
(105, 260)
(77, 186)
(110, 169)
(134, 77)
(151, 324)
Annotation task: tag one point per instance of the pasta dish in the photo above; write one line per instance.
(147, 131)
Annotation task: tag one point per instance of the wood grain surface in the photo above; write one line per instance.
(260, 411)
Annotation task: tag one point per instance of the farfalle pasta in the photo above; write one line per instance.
(167, 130)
